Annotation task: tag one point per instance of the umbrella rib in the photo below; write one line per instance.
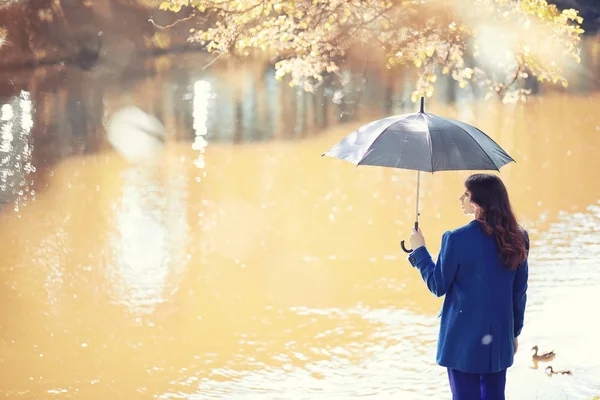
(476, 142)
(493, 141)
(369, 149)
(430, 144)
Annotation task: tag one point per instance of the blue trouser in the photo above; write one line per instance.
(468, 386)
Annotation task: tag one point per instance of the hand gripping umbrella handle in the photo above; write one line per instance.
(402, 242)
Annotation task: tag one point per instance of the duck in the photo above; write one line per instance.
(550, 371)
(542, 357)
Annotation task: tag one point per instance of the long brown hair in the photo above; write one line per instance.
(497, 218)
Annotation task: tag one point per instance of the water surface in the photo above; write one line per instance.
(261, 270)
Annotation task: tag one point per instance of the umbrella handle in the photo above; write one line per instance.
(402, 242)
(404, 248)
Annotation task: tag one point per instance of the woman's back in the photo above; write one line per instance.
(477, 323)
(482, 277)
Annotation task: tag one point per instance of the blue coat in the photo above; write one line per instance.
(484, 306)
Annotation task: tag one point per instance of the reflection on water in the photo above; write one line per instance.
(16, 149)
(202, 96)
(265, 271)
(149, 237)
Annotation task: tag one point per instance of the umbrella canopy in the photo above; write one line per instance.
(422, 142)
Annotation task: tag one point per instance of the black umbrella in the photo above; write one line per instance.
(421, 142)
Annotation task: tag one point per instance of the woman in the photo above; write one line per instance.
(482, 270)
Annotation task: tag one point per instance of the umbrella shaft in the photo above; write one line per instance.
(418, 188)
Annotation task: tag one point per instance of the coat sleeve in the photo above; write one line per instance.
(520, 292)
(440, 275)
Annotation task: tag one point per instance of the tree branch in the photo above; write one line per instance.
(507, 85)
(193, 15)
(209, 64)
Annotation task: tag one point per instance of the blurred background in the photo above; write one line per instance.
(221, 257)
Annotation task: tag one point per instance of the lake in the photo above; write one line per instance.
(246, 266)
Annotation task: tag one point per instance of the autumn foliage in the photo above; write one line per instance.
(493, 44)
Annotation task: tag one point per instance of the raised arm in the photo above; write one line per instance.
(440, 275)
